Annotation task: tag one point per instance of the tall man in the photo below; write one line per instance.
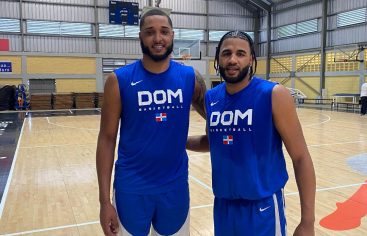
(151, 100)
(247, 120)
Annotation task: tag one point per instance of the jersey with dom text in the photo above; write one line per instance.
(153, 130)
(246, 149)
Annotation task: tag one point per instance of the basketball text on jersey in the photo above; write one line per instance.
(159, 97)
(230, 118)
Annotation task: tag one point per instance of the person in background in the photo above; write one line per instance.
(150, 99)
(248, 119)
(364, 99)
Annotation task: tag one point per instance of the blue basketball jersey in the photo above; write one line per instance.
(153, 131)
(245, 147)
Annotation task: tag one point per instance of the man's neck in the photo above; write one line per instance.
(235, 88)
(155, 67)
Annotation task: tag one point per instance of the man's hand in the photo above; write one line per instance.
(305, 229)
(108, 219)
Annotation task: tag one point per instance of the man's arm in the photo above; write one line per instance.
(110, 117)
(289, 127)
(199, 93)
(198, 143)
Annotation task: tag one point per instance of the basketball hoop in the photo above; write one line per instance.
(186, 57)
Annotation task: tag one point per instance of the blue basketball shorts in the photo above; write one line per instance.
(239, 217)
(167, 212)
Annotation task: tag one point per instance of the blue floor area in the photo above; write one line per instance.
(10, 127)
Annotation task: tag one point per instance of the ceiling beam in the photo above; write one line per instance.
(248, 7)
(260, 4)
(281, 2)
(296, 6)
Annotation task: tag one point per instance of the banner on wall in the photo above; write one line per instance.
(4, 45)
(5, 67)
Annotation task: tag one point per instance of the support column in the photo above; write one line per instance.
(24, 70)
(207, 28)
(293, 72)
(21, 21)
(99, 75)
(268, 46)
(323, 46)
(96, 26)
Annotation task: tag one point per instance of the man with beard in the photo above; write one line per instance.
(248, 118)
(151, 100)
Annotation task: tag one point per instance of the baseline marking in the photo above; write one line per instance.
(71, 127)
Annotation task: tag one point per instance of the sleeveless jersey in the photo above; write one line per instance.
(154, 125)
(245, 147)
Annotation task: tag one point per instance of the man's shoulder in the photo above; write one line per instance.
(181, 68)
(263, 83)
(128, 67)
(177, 64)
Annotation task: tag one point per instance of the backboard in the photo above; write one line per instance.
(186, 49)
(347, 54)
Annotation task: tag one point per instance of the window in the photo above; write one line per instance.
(217, 35)
(287, 30)
(298, 28)
(75, 29)
(9, 25)
(189, 34)
(109, 30)
(351, 17)
(307, 26)
(111, 64)
(59, 28)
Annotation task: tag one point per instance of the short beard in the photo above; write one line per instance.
(156, 58)
(234, 80)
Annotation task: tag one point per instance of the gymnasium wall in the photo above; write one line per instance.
(75, 85)
(303, 72)
(342, 84)
(59, 67)
(71, 74)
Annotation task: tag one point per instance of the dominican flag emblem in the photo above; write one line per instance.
(227, 139)
(159, 117)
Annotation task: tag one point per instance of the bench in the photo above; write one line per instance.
(348, 106)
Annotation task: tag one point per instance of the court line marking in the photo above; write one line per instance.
(10, 176)
(330, 188)
(51, 228)
(71, 127)
(201, 206)
(322, 122)
(195, 207)
(341, 143)
(61, 145)
(200, 182)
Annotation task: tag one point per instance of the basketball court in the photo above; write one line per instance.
(50, 186)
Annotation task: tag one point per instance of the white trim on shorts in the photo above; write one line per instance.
(184, 230)
(278, 231)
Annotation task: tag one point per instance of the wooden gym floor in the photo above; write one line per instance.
(50, 186)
